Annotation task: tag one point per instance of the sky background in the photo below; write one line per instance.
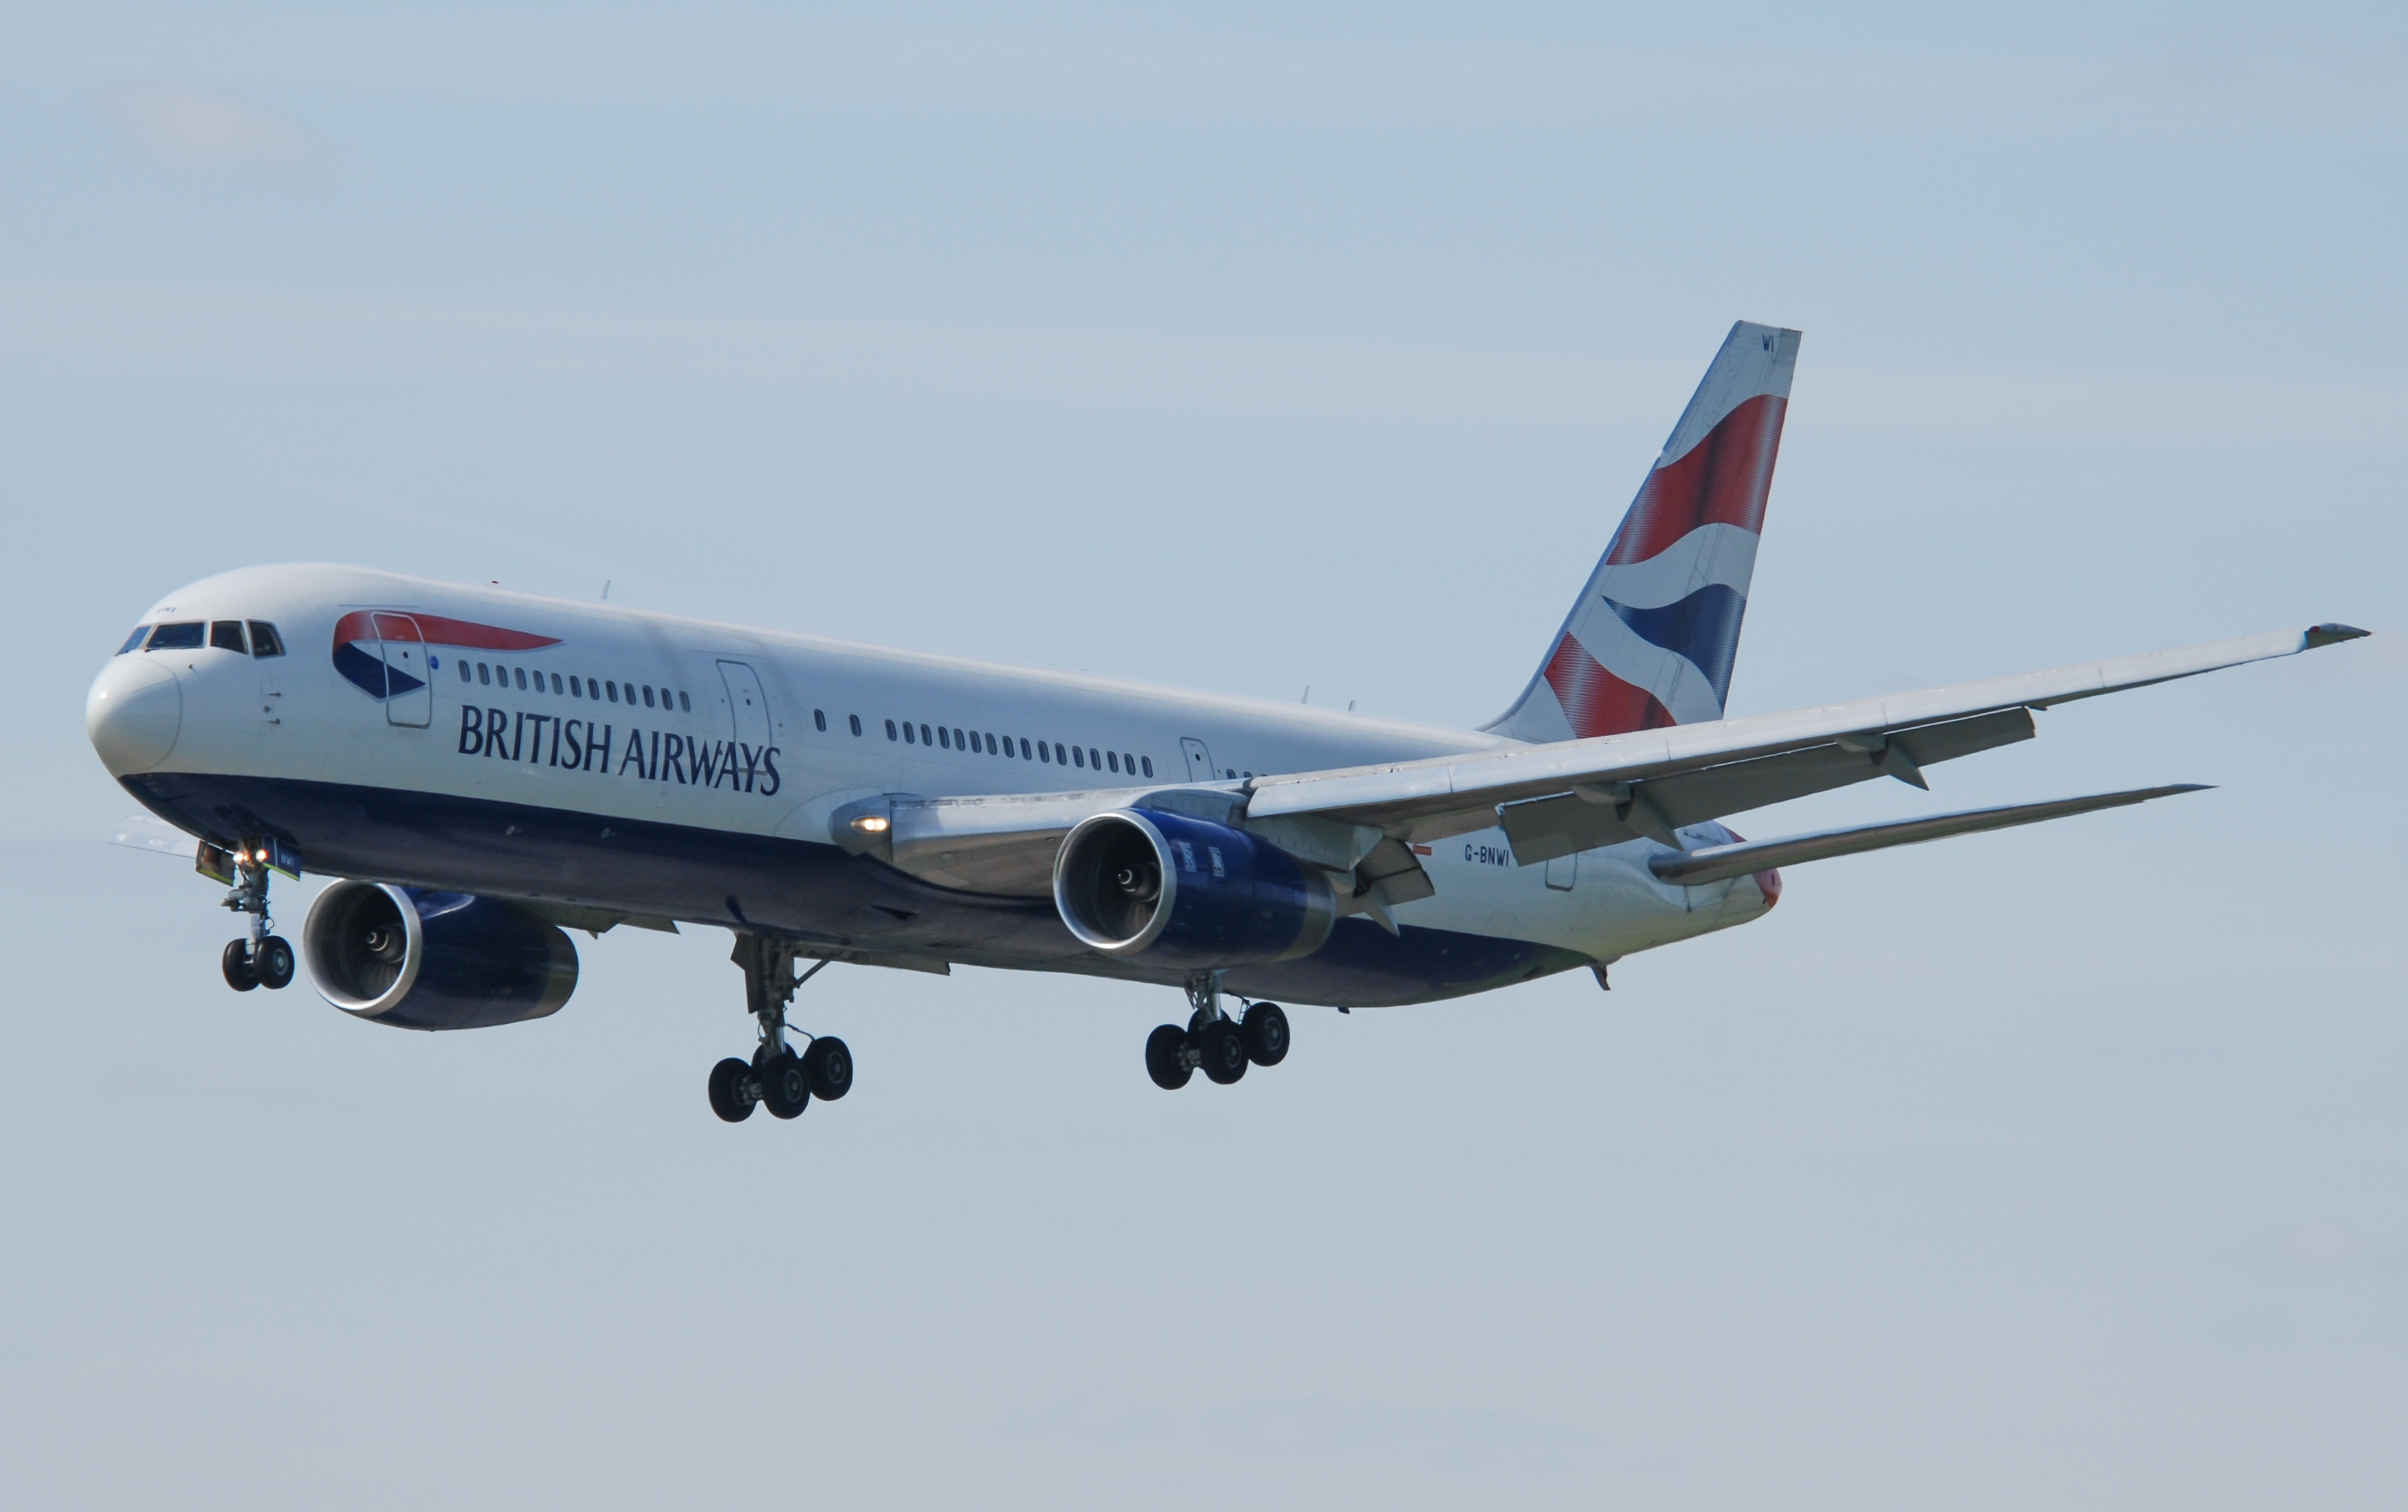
(1247, 349)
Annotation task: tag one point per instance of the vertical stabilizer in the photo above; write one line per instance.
(1651, 640)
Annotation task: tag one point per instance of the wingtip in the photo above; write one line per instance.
(2332, 632)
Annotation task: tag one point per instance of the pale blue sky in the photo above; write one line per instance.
(1246, 350)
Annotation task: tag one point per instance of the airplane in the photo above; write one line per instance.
(483, 770)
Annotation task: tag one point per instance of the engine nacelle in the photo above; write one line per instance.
(425, 960)
(1180, 891)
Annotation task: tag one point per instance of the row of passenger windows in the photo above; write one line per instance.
(953, 738)
(574, 686)
(220, 635)
(950, 737)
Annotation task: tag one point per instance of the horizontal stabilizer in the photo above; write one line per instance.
(1718, 864)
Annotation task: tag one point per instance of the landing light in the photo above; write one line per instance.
(870, 824)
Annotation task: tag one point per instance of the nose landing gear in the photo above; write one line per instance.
(263, 959)
(1214, 1043)
(777, 1077)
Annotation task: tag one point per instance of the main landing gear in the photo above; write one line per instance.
(777, 1077)
(263, 959)
(1219, 1046)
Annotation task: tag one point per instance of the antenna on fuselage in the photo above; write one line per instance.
(606, 588)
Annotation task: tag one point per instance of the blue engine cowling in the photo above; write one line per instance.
(425, 960)
(1141, 884)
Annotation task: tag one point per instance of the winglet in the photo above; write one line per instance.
(2332, 634)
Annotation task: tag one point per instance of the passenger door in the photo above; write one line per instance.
(409, 694)
(748, 707)
(1200, 761)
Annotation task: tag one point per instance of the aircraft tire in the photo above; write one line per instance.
(727, 1095)
(785, 1086)
(1166, 1058)
(275, 964)
(828, 1065)
(1267, 1034)
(240, 973)
(1225, 1052)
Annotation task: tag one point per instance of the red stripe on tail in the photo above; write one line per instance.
(1595, 701)
(1723, 480)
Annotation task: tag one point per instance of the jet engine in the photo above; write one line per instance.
(423, 959)
(1173, 891)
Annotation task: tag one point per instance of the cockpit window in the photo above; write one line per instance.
(226, 636)
(135, 639)
(264, 641)
(183, 636)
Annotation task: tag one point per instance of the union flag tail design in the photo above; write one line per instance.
(1652, 637)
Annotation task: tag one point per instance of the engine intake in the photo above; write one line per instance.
(1181, 891)
(423, 959)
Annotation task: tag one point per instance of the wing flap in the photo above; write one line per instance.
(1542, 829)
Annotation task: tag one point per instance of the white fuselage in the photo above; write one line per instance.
(765, 734)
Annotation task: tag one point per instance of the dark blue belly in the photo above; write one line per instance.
(812, 892)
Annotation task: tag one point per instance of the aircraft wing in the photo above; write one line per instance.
(1552, 799)
(1581, 794)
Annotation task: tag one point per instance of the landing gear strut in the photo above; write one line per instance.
(1214, 1043)
(777, 1077)
(263, 959)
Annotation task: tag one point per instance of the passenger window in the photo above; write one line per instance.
(1024, 748)
(1059, 759)
(685, 706)
(1128, 763)
(555, 682)
(1149, 765)
(648, 695)
(819, 717)
(990, 742)
(522, 672)
(941, 739)
(185, 636)
(466, 676)
(484, 676)
(957, 739)
(264, 641)
(910, 737)
(890, 728)
(854, 718)
(1079, 755)
(1113, 759)
(226, 636)
(1093, 760)
(135, 639)
(923, 734)
(1043, 752)
(612, 688)
(576, 688)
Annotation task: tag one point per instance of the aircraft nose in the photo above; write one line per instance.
(132, 714)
